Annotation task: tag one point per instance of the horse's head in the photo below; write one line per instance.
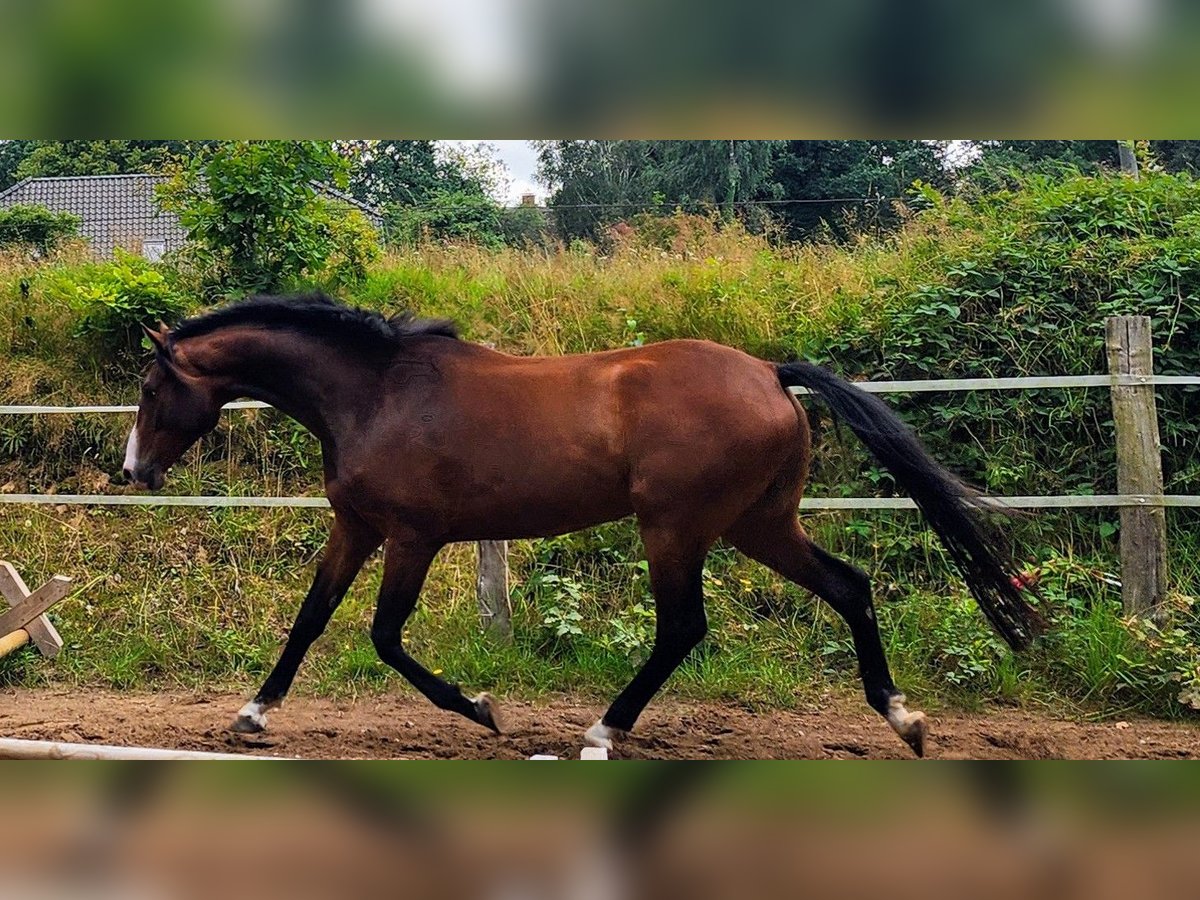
(176, 409)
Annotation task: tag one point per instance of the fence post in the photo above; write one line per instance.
(1125, 152)
(1139, 466)
(492, 588)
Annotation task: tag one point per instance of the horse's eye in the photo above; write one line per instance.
(150, 392)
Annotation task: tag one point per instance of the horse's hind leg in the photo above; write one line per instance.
(782, 545)
(676, 565)
(405, 564)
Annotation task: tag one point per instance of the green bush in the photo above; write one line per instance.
(35, 226)
(1026, 291)
(449, 215)
(355, 245)
(114, 300)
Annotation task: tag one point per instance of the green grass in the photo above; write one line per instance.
(202, 599)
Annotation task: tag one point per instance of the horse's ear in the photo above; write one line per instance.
(160, 339)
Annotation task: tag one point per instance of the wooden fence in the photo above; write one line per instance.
(1139, 494)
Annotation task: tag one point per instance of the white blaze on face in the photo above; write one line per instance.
(131, 450)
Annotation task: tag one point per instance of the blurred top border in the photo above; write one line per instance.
(527, 68)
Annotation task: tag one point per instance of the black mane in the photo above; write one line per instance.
(320, 316)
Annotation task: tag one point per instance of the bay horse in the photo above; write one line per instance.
(428, 439)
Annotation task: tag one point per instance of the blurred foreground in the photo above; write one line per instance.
(544, 831)
(466, 67)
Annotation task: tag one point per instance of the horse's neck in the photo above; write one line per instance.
(303, 377)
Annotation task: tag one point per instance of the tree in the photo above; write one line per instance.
(716, 173)
(253, 213)
(450, 215)
(525, 227)
(392, 172)
(11, 155)
(596, 183)
(1000, 163)
(427, 189)
(1177, 156)
(832, 179)
(43, 159)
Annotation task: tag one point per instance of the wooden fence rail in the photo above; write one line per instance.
(1139, 471)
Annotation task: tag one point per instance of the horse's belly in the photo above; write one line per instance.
(540, 513)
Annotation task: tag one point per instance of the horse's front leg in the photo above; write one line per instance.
(351, 541)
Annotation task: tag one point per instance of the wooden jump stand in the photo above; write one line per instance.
(26, 620)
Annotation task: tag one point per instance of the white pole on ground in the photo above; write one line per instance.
(15, 748)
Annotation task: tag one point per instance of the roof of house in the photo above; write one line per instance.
(121, 211)
(115, 210)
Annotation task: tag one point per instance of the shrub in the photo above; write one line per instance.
(449, 215)
(35, 226)
(525, 227)
(117, 298)
(355, 245)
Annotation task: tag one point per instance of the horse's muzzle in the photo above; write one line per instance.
(151, 478)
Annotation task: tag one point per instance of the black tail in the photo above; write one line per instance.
(949, 505)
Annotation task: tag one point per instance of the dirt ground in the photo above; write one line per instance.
(408, 728)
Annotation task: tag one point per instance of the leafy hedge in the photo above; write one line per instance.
(1028, 294)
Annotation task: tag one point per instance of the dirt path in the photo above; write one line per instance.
(404, 727)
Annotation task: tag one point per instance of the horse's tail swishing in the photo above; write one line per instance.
(949, 505)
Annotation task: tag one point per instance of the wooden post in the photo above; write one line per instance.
(1139, 466)
(1125, 153)
(491, 576)
(492, 589)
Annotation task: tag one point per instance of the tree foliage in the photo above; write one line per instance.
(849, 186)
(1002, 164)
(716, 173)
(383, 173)
(11, 155)
(809, 188)
(41, 159)
(428, 191)
(252, 211)
(596, 183)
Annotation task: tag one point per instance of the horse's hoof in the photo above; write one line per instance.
(247, 725)
(909, 725)
(914, 733)
(487, 712)
(600, 735)
(251, 718)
